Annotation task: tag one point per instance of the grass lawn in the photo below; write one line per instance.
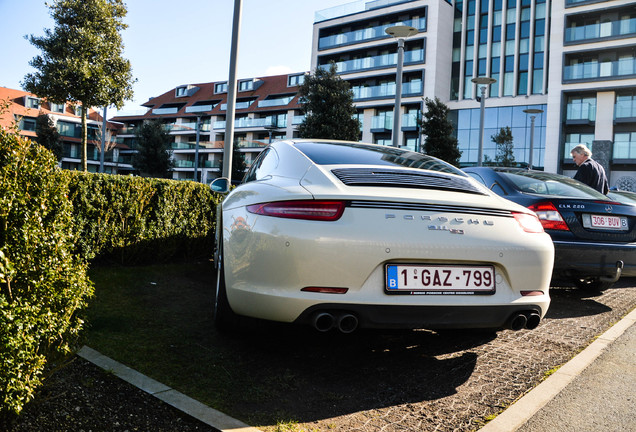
(158, 320)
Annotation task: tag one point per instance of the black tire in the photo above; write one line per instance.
(225, 320)
(593, 284)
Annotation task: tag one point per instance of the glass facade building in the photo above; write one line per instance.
(574, 59)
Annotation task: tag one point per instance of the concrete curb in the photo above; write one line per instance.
(521, 411)
(196, 409)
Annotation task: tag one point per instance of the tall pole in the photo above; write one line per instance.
(196, 151)
(484, 83)
(399, 32)
(482, 107)
(531, 141)
(395, 136)
(103, 144)
(533, 114)
(228, 147)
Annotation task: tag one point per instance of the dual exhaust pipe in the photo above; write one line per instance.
(345, 322)
(529, 320)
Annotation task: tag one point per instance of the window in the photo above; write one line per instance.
(32, 102)
(181, 91)
(27, 124)
(220, 87)
(246, 85)
(295, 80)
(58, 108)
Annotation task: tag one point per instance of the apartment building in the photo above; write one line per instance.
(571, 60)
(266, 109)
(23, 109)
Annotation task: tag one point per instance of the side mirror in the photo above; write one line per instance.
(220, 185)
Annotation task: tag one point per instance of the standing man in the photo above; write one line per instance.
(590, 172)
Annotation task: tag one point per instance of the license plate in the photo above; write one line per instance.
(439, 279)
(605, 222)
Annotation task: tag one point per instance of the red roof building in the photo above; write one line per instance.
(266, 109)
(23, 109)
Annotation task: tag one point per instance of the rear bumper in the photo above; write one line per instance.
(593, 259)
(426, 317)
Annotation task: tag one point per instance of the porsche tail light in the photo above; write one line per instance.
(549, 216)
(307, 210)
(528, 223)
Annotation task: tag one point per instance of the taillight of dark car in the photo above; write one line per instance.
(549, 216)
(307, 210)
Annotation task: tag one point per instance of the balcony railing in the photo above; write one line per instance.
(187, 127)
(275, 102)
(581, 111)
(387, 90)
(625, 108)
(384, 122)
(623, 147)
(623, 27)
(375, 62)
(594, 69)
(170, 110)
(253, 123)
(238, 105)
(370, 33)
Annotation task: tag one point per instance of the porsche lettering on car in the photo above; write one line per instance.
(344, 235)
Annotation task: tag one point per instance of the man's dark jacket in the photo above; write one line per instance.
(592, 174)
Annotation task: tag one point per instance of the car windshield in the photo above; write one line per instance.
(542, 183)
(334, 153)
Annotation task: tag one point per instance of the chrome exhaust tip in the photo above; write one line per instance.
(323, 321)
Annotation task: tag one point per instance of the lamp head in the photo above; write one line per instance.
(401, 31)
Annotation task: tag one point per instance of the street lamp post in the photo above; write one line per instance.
(533, 114)
(196, 151)
(270, 130)
(484, 83)
(400, 32)
(228, 146)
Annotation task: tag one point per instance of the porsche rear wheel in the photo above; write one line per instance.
(224, 317)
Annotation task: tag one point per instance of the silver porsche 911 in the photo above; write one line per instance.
(343, 235)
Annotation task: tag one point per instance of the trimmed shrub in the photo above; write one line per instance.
(43, 285)
(135, 220)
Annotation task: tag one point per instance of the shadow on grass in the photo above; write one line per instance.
(158, 320)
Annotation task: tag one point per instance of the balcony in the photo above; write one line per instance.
(253, 123)
(590, 32)
(625, 108)
(275, 102)
(592, 70)
(238, 105)
(369, 33)
(377, 62)
(580, 113)
(382, 123)
(413, 88)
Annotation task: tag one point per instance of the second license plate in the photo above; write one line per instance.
(434, 279)
(608, 222)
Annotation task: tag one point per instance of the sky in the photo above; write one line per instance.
(171, 43)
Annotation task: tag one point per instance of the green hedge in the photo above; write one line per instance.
(52, 224)
(135, 220)
(43, 284)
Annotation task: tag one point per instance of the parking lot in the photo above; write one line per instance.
(423, 381)
(307, 381)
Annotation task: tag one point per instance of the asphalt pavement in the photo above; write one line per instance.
(595, 391)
